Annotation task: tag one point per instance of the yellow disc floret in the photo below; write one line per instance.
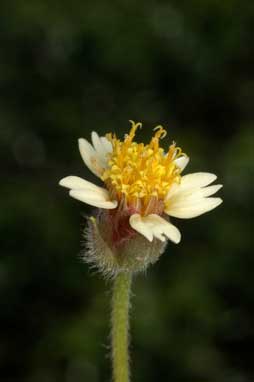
(140, 172)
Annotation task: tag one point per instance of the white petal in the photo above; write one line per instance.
(100, 148)
(77, 183)
(192, 196)
(191, 181)
(191, 210)
(211, 190)
(94, 199)
(137, 223)
(107, 144)
(91, 194)
(88, 192)
(96, 142)
(90, 157)
(198, 179)
(155, 226)
(182, 162)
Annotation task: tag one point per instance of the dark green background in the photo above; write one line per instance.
(70, 67)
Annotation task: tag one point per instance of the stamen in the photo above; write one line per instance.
(134, 128)
(161, 133)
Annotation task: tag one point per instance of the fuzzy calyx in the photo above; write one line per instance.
(113, 246)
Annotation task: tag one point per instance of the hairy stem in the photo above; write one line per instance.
(120, 327)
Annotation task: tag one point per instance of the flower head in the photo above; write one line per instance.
(143, 186)
(143, 182)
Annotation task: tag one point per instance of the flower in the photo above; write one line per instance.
(144, 186)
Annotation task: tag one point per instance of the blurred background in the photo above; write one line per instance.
(67, 68)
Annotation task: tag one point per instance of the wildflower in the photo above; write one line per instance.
(143, 186)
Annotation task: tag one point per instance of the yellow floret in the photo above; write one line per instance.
(140, 171)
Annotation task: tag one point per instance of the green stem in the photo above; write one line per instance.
(120, 327)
